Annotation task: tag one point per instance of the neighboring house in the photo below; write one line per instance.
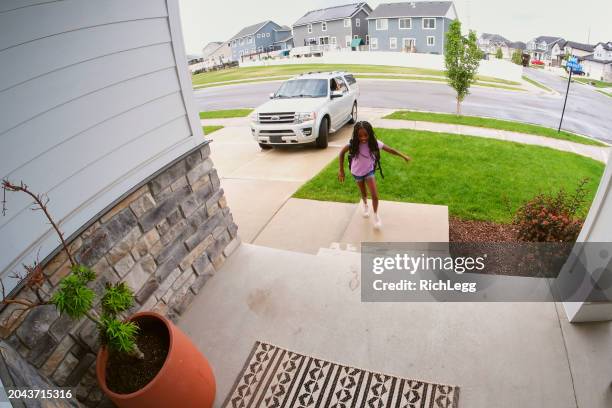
(578, 49)
(195, 62)
(216, 53)
(541, 48)
(411, 26)
(517, 46)
(334, 26)
(599, 64)
(490, 43)
(262, 37)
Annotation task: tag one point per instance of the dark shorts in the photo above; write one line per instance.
(361, 178)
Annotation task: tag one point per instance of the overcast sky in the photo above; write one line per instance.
(518, 20)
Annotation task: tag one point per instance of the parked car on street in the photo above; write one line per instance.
(306, 109)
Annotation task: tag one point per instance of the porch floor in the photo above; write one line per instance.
(500, 354)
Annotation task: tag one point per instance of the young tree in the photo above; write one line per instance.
(461, 58)
(499, 54)
(517, 57)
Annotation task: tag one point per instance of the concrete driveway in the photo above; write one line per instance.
(587, 112)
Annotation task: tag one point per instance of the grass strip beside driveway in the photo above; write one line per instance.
(210, 129)
(493, 124)
(538, 84)
(226, 113)
(604, 92)
(595, 82)
(477, 178)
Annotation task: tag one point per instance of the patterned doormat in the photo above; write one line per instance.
(274, 377)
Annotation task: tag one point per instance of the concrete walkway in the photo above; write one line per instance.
(502, 355)
(327, 223)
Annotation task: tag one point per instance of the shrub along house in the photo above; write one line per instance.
(99, 116)
(410, 26)
(258, 38)
(334, 26)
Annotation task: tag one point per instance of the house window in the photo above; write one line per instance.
(249, 40)
(382, 24)
(268, 35)
(309, 28)
(355, 37)
(324, 26)
(347, 22)
(258, 35)
(405, 23)
(347, 40)
(429, 23)
(374, 43)
(358, 22)
(393, 43)
(323, 40)
(333, 41)
(408, 44)
(242, 41)
(431, 40)
(367, 39)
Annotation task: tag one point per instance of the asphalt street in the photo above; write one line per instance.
(587, 112)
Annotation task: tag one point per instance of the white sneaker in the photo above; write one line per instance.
(377, 221)
(364, 208)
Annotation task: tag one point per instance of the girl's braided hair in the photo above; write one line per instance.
(372, 142)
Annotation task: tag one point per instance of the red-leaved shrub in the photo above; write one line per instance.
(551, 217)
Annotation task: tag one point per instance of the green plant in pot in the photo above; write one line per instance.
(143, 361)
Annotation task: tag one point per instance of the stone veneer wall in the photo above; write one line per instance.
(165, 240)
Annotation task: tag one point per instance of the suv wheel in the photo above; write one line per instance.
(354, 114)
(321, 141)
(265, 146)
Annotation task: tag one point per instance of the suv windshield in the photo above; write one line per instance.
(299, 88)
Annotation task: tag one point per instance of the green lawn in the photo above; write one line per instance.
(536, 83)
(596, 83)
(493, 124)
(604, 92)
(228, 113)
(473, 176)
(210, 129)
(251, 73)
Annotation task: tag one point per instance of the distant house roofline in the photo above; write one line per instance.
(361, 6)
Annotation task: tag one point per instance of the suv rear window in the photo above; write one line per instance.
(350, 79)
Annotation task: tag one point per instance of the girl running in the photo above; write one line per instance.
(364, 157)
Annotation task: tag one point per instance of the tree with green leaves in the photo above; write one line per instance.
(74, 296)
(499, 54)
(462, 58)
(517, 57)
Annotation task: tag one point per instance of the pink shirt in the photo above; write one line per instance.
(363, 162)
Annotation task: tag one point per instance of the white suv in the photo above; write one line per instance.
(305, 109)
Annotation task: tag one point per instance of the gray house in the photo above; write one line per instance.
(334, 26)
(541, 48)
(411, 26)
(262, 37)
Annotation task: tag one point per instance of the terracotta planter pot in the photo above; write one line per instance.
(185, 379)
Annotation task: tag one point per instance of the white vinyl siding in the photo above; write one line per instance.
(431, 40)
(405, 23)
(374, 43)
(393, 43)
(429, 24)
(382, 24)
(89, 123)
